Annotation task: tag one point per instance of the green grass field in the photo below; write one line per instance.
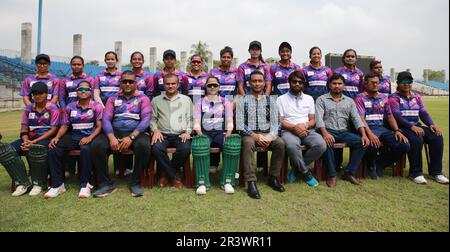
(388, 204)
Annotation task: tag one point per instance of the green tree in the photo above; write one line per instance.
(93, 62)
(435, 75)
(270, 61)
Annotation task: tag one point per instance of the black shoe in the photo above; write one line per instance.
(252, 190)
(275, 184)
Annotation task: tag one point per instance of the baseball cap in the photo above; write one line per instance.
(404, 76)
(255, 44)
(39, 87)
(285, 45)
(42, 57)
(169, 53)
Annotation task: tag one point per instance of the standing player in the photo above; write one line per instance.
(226, 74)
(281, 70)
(170, 60)
(107, 83)
(354, 77)
(385, 82)
(316, 74)
(196, 79)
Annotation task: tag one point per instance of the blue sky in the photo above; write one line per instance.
(402, 33)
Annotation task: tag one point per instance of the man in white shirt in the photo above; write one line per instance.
(297, 112)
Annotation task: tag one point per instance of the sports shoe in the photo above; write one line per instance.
(420, 180)
(20, 190)
(441, 179)
(213, 169)
(201, 190)
(104, 191)
(292, 176)
(136, 191)
(310, 180)
(66, 174)
(85, 192)
(127, 172)
(228, 188)
(116, 173)
(54, 192)
(36, 190)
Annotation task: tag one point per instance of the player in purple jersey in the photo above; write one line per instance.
(125, 118)
(316, 74)
(213, 117)
(107, 83)
(385, 81)
(255, 63)
(281, 70)
(226, 74)
(80, 125)
(374, 109)
(144, 81)
(354, 77)
(170, 60)
(42, 62)
(68, 86)
(408, 108)
(196, 79)
(40, 121)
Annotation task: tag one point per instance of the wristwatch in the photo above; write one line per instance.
(132, 137)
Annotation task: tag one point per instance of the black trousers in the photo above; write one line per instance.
(101, 150)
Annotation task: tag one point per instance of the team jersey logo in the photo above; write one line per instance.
(232, 76)
(103, 78)
(46, 115)
(310, 73)
(49, 84)
(31, 116)
(136, 102)
(118, 103)
(73, 113)
(279, 74)
(69, 84)
(90, 112)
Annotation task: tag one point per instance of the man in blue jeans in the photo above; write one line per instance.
(335, 112)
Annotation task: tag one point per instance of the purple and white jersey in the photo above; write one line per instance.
(158, 80)
(410, 108)
(354, 81)
(385, 85)
(144, 83)
(280, 74)
(213, 115)
(126, 115)
(108, 84)
(196, 86)
(227, 80)
(244, 71)
(68, 88)
(40, 122)
(83, 121)
(316, 80)
(373, 109)
(51, 80)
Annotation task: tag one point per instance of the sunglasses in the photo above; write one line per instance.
(127, 81)
(84, 89)
(406, 82)
(212, 85)
(196, 62)
(297, 82)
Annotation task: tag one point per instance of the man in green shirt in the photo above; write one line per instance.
(171, 126)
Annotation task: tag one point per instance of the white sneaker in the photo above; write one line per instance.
(85, 192)
(201, 190)
(420, 180)
(36, 190)
(66, 174)
(259, 169)
(116, 173)
(213, 169)
(441, 179)
(228, 188)
(20, 190)
(127, 172)
(54, 192)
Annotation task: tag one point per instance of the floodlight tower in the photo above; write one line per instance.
(39, 28)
